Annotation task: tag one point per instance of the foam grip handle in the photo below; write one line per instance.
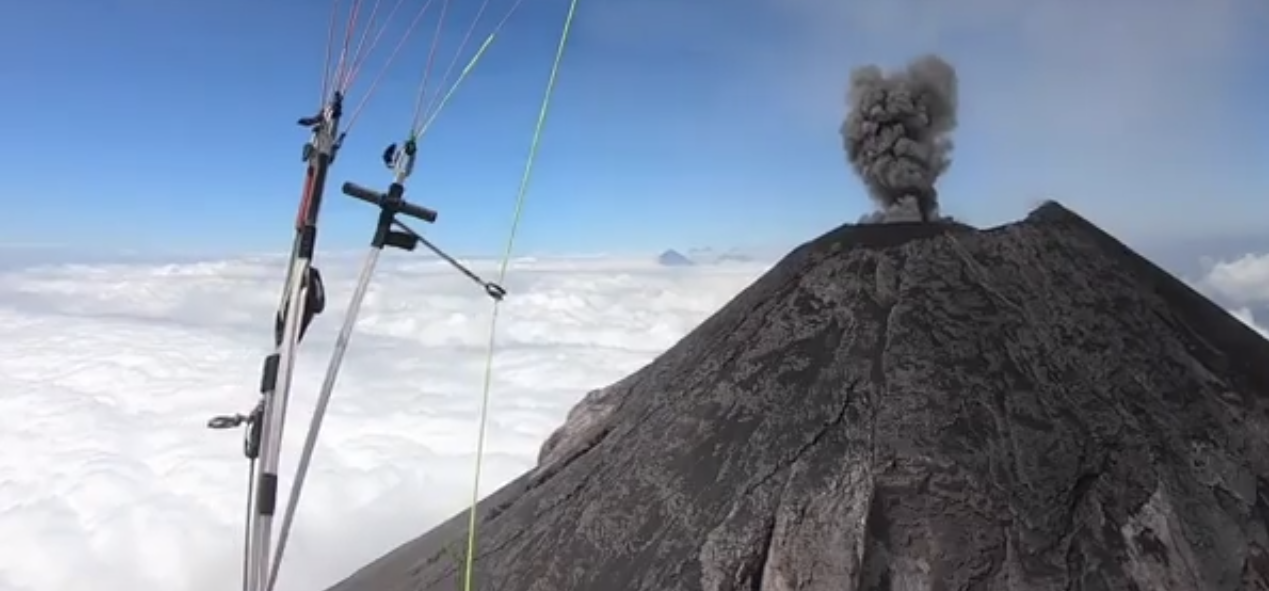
(418, 211)
(370, 196)
(378, 198)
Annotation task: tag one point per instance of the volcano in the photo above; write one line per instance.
(908, 406)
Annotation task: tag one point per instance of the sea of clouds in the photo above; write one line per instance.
(108, 372)
(1242, 284)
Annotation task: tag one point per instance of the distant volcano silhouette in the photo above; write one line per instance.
(673, 258)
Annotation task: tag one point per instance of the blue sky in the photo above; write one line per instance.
(169, 125)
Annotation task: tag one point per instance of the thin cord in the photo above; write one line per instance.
(470, 559)
(427, 70)
(327, 75)
(420, 130)
(361, 44)
(361, 59)
(348, 31)
(352, 118)
(461, 46)
(246, 535)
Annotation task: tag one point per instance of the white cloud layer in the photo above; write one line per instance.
(1241, 283)
(109, 479)
(1244, 280)
(1249, 319)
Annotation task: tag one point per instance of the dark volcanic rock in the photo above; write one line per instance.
(906, 407)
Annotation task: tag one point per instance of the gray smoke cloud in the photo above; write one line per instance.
(897, 135)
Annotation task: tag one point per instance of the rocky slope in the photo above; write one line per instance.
(905, 407)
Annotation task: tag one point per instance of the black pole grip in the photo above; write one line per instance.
(368, 195)
(378, 198)
(417, 211)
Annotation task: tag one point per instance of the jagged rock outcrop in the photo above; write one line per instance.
(906, 407)
(587, 423)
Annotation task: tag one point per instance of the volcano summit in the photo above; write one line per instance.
(907, 406)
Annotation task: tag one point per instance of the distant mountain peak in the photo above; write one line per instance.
(674, 258)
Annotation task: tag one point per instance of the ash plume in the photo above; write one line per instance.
(897, 135)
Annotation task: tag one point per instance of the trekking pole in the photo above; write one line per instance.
(390, 204)
(303, 298)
